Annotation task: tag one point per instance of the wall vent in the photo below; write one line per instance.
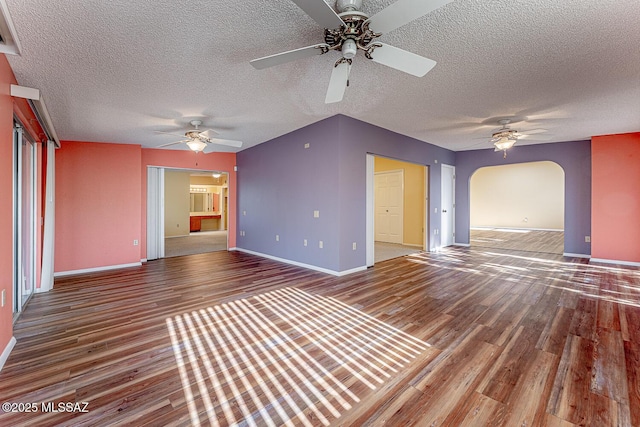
(8, 37)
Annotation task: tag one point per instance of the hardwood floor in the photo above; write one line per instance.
(520, 240)
(465, 336)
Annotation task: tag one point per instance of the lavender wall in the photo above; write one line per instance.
(359, 138)
(573, 157)
(280, 184)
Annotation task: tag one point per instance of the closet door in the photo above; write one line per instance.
(24, 218)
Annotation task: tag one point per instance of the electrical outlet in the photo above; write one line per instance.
(320, 244)
(354, 246)
(316, 214)
(277, 237)
(307, 145)
(304, 242)
(244, 213)
(587, 239)
(135, 242)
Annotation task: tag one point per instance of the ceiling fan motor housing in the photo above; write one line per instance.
(348, 5)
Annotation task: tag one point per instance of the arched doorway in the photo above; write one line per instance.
(518, 207)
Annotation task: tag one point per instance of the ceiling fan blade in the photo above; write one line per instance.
(291, 55)
(228, 142)
(402, 60)
(168, 133)
(320, 12)
(209, 133)
(535, 137)
(172, 143)
(534, 131)
(338, 83)
(402, 12)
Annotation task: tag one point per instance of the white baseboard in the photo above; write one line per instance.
(300, 264)
(96, 269)
(7, 351)
(613, 261)
(466, 245)
(569, 254)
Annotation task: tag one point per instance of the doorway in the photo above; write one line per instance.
(518, 207)
(397, 208)
(187, 212)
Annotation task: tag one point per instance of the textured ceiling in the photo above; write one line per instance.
(116, 71)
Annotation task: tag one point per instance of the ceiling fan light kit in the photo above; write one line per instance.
(504, 138)
(351, 30)
(198, 140)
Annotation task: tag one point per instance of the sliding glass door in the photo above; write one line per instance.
(24, 218)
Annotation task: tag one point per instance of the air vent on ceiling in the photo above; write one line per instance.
(8, 37)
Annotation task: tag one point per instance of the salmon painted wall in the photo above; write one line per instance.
(222, 162)
(8, 108)
(98, 205)
(6, 207)
(615, 206)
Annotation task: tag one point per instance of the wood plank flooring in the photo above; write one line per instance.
(520, 240)
(463, 337)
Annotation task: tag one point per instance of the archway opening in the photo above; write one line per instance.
(518, 207)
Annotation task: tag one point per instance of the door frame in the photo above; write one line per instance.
(19, 275)
(370, 207)
(155, 207)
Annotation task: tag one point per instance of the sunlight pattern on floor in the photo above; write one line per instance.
(286, 357)
(623, 286)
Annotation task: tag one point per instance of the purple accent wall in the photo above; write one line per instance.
(280, 184)
(573, 157)
(357, 140)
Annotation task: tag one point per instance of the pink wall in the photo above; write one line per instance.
(6, 207)
(97, 205)
(615, 197)
(223, 162)
(8, 108)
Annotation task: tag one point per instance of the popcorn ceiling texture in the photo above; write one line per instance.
(115, 71)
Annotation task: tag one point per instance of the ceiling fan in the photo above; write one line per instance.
(505, 137)
(351, 30)
(200, 140)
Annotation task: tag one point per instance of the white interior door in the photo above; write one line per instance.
(448, 196)
(389, 201)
